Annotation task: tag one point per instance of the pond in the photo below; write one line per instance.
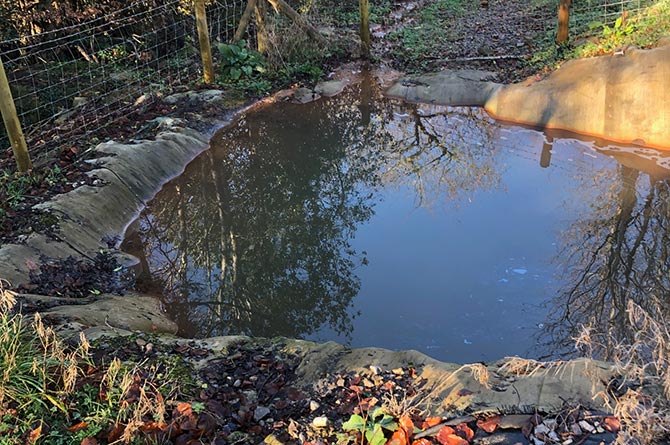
(377, 223)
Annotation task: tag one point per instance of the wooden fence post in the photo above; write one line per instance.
(563, 18)
(12, 124)
(203, 39)
(364, 7)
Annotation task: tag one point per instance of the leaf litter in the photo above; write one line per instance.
(252, 394)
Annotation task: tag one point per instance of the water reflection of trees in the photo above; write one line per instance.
(619, 253)
(255, 237)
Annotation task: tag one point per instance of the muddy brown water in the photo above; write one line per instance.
(377, 223)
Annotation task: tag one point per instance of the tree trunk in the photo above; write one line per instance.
(244, 20)
(262, 38)
(284, 8)
(563, 18)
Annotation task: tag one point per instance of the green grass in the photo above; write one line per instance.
(589, 37)
(15, 188)
(347, 13)
(429, 35)
(55, 394)
(642, 30)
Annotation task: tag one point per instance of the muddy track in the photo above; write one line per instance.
(501, 37)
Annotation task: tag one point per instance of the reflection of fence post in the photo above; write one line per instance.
(563, 17)
(545, 156)
(365, 27)
(12, 123)
(203, 38)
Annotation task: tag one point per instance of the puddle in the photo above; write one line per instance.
(376, 223)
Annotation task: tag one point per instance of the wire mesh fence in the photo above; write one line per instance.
(78, 81)
(608, 11)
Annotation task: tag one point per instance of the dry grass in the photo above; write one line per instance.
(529, 367)
(641, 399)
(413, 406)
(40, 373)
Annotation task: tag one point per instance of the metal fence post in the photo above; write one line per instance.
(365, 27)
(12, 123)
(563, 18)
(203, 39)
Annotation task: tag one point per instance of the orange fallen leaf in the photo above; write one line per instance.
(431, 422)
(453, 439)
(612, 424)
(152, 427)
(407, 426)
(422, 442)
(77, 427)
(444, 432)
(463, 430)
(35, 434)
(399, 437)
(489, 424)
(185, 409)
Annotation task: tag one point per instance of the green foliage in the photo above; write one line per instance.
(348, 13)
(619, 30)
(113, 54)
(16, 187)
(371, 426)
(47, 389)
(591, 37)
(429, 35)
(238, 62)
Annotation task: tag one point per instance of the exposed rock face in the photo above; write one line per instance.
(624, 98)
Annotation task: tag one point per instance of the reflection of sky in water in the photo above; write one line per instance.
(463, 245)
(466, 281)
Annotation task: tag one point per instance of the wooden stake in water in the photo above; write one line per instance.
(12, 123)
(563, 18)
(365, 27)
(203, 39)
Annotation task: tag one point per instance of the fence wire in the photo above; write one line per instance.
(76, 82)
(608, 11)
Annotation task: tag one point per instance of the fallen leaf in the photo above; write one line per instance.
(152, 427)
(89, 441)
(443, 433)
(452, 439)
(184, 408)
(399, 437)
(490, 424)
(35, 434)
(422, 442)
(612, 424)
(115, 433)
(431, 422)
(463, 430)
(407, 426)
(77, 427)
